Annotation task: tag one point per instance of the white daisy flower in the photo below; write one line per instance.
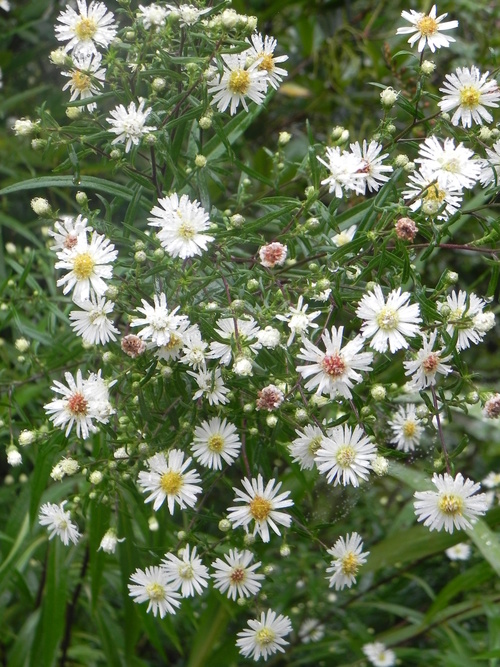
(471, 92)
(187, 14)
(379, 655)
(151, 586)
(311, 630)
(427, 364)
(129, 124)
(168, 479)
(215, 441)
(232, 329)
(406, 428)
(236, 577)
(82, 402)
(159, 323)
(463, 309)
(348, 558)
(86, 78)
(58, 522)
(109, 541)
(305, 446)
(427, 29)
(262, 50)
(299, 320)
(83, 30)
(269, 337)
(389, 323)
(92, 323)
(460, 551)
(371, 173)
(265, 636)
(453, 505)
(261, 505)
(173, 349)
(182, 223)
(490, 168)
(345, 456)
(186, 573)
(452, 166)
(346, 171)
(238, 82)
(430, 197)
(153, 16)
(344, 237)
(210, 386)
(88, 266)
(492, 479)
(193, 351)
(67, 230)
(334, 371)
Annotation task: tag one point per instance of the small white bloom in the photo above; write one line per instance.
(231, 330)
(265, 636)
(24, 127)
(67, 230)
(159, 323)
(269, 337)
(345, 236)
(194, 348)
(371, 172)
(460, 551)
(86, 78)
(348, 558)
(236, 577)
(406, 428)
(311, 630)
(453, 505)
(463, 311)
(26, 438)
(58, 522)
(299, 320)
(14, 457)
(492, 479)
(305, 446)
(379, 655)
(345, 456)
(345, 171)
(441, 200)
(238, 82)
(427, 364)
(243, 367)
(92, 323)
(168, 479)
(452, 166)
(151, 585)
(186, 573)
(187, 14)
(109, 541)
(471, 92)
(273, 254)
(92, 25)
(427, 29)
(262, 50)
(121, 454)
(261, 505)
(388, 97)
(152, 16)
(210, 386)
(129, 124)
(215, 441)
(490, 168)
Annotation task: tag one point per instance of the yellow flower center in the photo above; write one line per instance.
(86, 28)
(387, 319)
(267, 62)
(409, 429)
(427, 26)
(346, 455)
(469, 97)
(237, 575)
(434, 194)
(215, 443)
(260, 508)
(452, 166)
(173, 342)
(350, 564)
(451, 504)
(186, 231)
(186, 571)
(171, 482)
(81, 81)
(83, 265)
(155, 591)
(333, 365)
(239, 82)
(315, 444)
(265, 636)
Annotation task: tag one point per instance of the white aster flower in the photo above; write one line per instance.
(194, 348)
(460, 551)
(463, 309)
(427, 29)
(305, 446)
(345, 236)
(14, 457)
(210, 386)
(311, 630)
(238, 82)
(334, 371)
(269, 337)
(345, 171)
(215, 441)
(159, 323)
(129, 124)
(490, 168)
(82, 402)
(430, 197)
(265, 636)
(427, 364)
(173, 349)
(236, 577)
(67, 230)
(86, 77)
(348, 558)
(153, 16)
(83, 30)
(232, 330)
(406, 428)
(187, 14)
(151, 586)
(168, 479)
(452, 166)
(88, 265)
(186, 573)
(345, 456)
(92, 323)
(299, 320)
(109, 541)
(471, 92)
(379, 655)
(371, 173)
(182, 223)
(261, 505)
(389, 323)
(491, 480)
(262, 50)
(453, 505)
(58, 522)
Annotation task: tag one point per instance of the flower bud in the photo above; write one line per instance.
(41, 206)
(388, 97)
